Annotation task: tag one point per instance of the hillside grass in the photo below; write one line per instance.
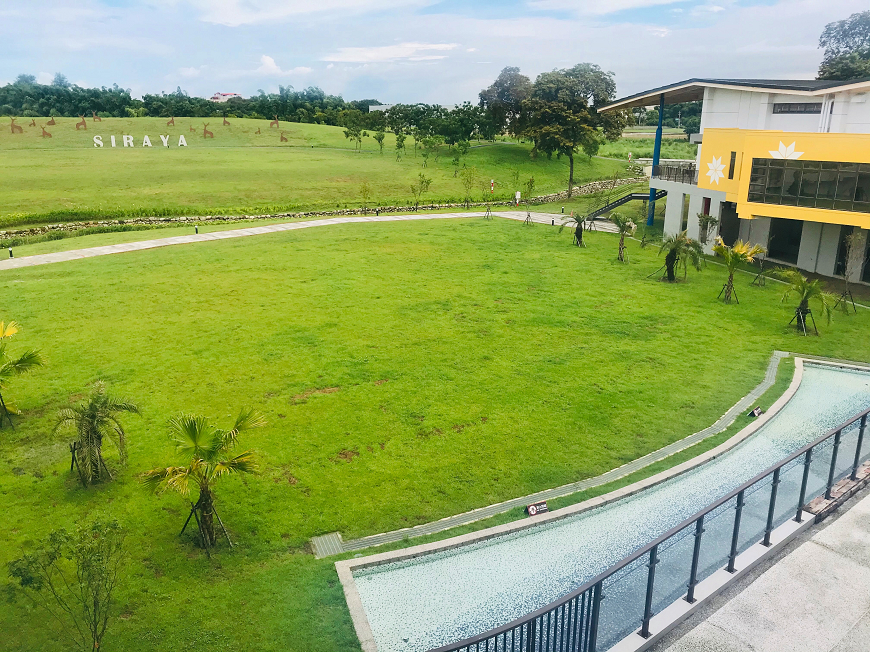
(408, 371)
(237, 172)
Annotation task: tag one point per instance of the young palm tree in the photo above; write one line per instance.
(806, 291)
(206, 455)
(739, 252)
(11, 367)
(95, 420)
(626, 226)
(682, 250)
(577, 222)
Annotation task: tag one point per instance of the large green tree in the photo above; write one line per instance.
(847, 48)
(503, 100)
(10, 367)
(559, 118)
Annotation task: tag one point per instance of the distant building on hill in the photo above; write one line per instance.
(387, 107)
(224, 97)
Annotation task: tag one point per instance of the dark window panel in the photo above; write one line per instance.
(862, 190)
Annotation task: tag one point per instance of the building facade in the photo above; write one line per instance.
(784, 164)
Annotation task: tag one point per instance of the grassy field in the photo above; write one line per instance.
(408, 371)
(239, 171)
(643, 148)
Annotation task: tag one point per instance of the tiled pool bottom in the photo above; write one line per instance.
(417, 605)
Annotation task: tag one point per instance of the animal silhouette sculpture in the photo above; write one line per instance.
(258, 130)
(274, 123)
(283, 137)
(45, 134)
(96, 117)
(205, 132)
(193, 130)
(32, 122)
(171, 122)
(16, 129)
(51, 122)
(83, 124)
(226, 124)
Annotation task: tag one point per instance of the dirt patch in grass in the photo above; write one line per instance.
(303, 397)
(346, 455)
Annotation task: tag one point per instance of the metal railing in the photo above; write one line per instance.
(624, 598)
(678, 173)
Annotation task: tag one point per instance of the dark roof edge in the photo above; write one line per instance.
(801, 85)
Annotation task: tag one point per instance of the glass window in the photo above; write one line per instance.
(862, 191)
(813, 184)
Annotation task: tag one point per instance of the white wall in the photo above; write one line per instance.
(808, 254)
(735, 109)
(828, 249)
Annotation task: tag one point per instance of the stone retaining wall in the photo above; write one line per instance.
(586, 189)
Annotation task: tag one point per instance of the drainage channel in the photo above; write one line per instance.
(448, 595)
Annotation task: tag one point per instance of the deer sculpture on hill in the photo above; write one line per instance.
(32, 122)
(258, 130)
(45, 134)
(283, 137)
(96, 117)
(171, 122)
(83, 124)
(226, 122)
(16, 129)
(193, 129)
(51, 122)
(205, 132)
(274, 123)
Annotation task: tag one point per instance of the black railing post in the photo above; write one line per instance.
(650, 586)
(833, 465)
(597, 597)
(808, 460)
(857, 461)
(696, 555)
(530, 636)
(771, 508)
(732, 555)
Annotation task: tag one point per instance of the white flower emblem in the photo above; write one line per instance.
(785, 152)
(715, 172)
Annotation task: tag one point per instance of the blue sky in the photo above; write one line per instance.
(405, 50)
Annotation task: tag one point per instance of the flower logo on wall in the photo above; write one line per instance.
(785, 152)
(715, 172)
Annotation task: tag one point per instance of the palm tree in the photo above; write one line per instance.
(806, 291)
(93, 421)
(205, 452)
(11, 367)
(739, 252)
(577, 222)
(682, 250)
(626, 226)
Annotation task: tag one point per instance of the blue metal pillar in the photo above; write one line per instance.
(657, 151)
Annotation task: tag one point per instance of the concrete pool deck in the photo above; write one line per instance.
(814, 598)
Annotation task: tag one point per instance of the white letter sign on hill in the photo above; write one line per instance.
(146, 142)
(128, 141)
(181, 141)
(113, 140)
(165, 140)
(98, 141)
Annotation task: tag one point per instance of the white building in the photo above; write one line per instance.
(224, 97)
(782, 163)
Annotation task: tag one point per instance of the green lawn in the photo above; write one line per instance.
(408, 371)
(240, 171)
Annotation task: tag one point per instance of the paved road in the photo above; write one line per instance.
(77, 254)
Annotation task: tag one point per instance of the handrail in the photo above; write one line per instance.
(677, 173)
(623, 200)
(597, 581)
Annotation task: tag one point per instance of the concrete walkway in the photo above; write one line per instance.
(78, 254)
(814, 599)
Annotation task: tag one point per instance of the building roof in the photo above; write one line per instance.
(693, 89)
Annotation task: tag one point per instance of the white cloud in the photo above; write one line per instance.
(44, 78)
(597, 7)
(234, 13)
(661, 32)
(382, 53)
(471, 50)
(268, 68)
(191, 72)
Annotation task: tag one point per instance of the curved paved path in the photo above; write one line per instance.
(77, 254)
